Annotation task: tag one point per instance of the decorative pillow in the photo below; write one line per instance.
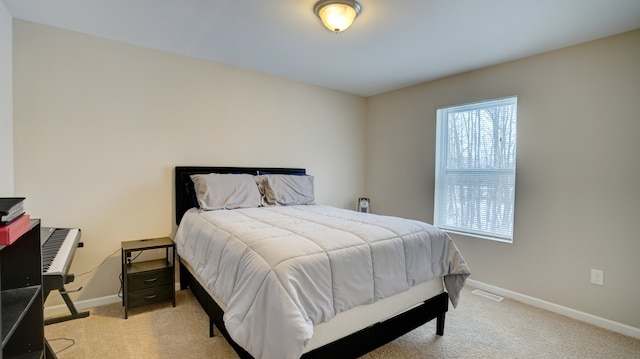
(286, 190)
(226, 191)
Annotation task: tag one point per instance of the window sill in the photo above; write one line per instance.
(476, 235)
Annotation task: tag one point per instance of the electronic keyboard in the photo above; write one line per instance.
(58, 247)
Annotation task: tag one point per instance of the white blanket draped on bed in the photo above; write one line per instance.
(280, 270)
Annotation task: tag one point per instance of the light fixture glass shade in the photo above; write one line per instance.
(337, 16)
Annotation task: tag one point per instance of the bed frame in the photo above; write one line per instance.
(351, 346)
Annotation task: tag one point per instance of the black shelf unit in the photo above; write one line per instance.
(21, 297)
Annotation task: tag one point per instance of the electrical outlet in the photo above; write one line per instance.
(597, 277)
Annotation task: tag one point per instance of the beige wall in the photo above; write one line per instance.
(6, 103)
(99, 126)
(578, 175)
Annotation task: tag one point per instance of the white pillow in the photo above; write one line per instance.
(226, 191)
(286, 190)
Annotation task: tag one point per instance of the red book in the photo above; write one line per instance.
(13, 230)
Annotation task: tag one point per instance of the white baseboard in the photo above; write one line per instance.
(571, 313)
(82, 305)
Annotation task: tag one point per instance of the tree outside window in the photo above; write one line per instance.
(476, 168)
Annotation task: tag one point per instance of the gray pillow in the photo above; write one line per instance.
(226, 191)
(286, 190)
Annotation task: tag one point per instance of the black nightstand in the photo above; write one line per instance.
(148, 281)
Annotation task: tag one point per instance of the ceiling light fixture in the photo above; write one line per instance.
(337, 15)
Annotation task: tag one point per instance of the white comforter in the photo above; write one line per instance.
(280, 270)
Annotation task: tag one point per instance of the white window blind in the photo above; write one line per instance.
(476, 169)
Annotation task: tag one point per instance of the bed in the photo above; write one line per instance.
(344, 314)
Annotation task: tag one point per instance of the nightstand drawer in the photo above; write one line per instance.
(142, 297)
(150, 279)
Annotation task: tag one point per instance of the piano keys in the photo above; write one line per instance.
(58, 248)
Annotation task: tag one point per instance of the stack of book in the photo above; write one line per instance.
(13, 220)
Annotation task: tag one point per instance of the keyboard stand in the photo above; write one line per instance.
(72, 308)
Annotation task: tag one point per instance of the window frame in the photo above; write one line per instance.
(441, 153)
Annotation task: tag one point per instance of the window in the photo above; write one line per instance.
(476, 169)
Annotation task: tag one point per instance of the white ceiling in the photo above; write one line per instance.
(392, 44)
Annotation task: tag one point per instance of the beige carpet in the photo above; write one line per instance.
(478, 328)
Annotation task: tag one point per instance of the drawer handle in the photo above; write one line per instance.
(151, 280)
(150, 296)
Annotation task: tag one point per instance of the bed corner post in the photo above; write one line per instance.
(440, 323)
(183, 276)
(440, 317)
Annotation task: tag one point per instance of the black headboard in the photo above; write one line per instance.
(185, 194)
